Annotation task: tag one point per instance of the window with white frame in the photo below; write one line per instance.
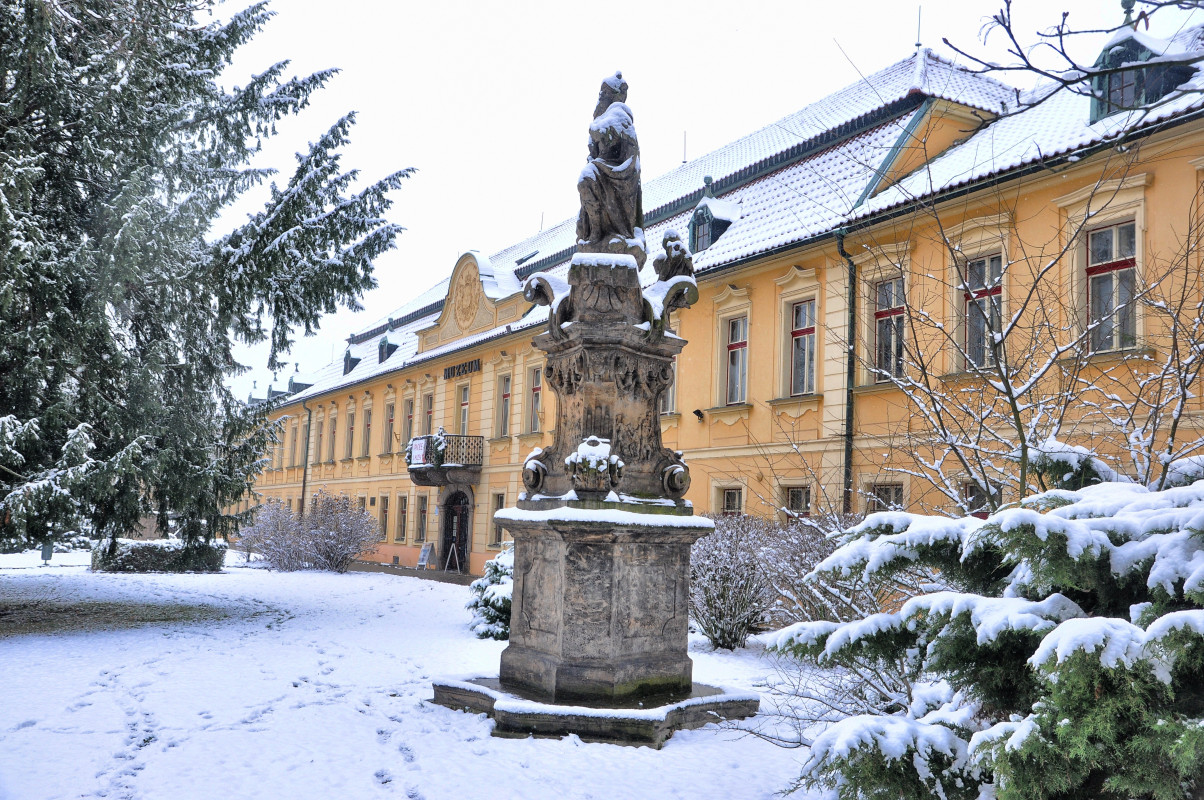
(330, 446)
(387, 443)
(292, 448)
(420, 521)
(403, 507)
(802, 348)
(976, 500)
(304, 443)
(350, 444)
(318, 431)
(384, 517)
(499, 502)
(428, 414)
(982, 295)
(464, 397)
(366, 444)
(533, 400)
(888, 329)
(885, 497)
(737, 360)
(503, 406)
(797, 501)
(1111, 286)
(407, 422)
(668, 401)
(733, 502)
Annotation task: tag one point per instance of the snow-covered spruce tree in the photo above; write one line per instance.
(491, 597)
(1068, 662)
(119, 300)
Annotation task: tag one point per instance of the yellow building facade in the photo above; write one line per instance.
(908, 239)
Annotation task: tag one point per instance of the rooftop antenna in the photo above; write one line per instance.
(919, 27)
(541, 222)
(683, 147)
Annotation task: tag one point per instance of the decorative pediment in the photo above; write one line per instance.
(467, 309)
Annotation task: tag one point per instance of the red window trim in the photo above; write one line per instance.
(743, 342)
(1112, 266)
(796, 333)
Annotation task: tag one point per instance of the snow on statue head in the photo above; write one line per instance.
(613, 90)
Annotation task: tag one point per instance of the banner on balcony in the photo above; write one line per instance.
(418, 451)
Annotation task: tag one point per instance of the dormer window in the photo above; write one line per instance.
(1126, 82)
(711, 218)
(349, 362)
(701, 228)
(384, 350)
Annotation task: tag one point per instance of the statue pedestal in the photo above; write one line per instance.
(600, 608)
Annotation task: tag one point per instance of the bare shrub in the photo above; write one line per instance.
(276, 535)
(790, 553)
(730, 592)
(329, 537)
(336, 531)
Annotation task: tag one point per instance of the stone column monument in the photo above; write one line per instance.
(602, 536)
(602, 533)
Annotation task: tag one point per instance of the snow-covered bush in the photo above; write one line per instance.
(158, 555)
(335, 531)
(275, 534)
(730, 592)
(1067, 661)
(329, 537)
(491, 595)
(789, 553)
(1067, 466)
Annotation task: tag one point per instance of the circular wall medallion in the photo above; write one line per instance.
(468, 297)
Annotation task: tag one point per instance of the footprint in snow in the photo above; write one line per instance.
(407, 755)
(383, 777)
(29, 723)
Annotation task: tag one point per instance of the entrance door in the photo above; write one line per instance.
(457, 524)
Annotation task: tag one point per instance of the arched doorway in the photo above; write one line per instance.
(457, 527)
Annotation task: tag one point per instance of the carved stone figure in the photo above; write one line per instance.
(612, 214)
(676, 260)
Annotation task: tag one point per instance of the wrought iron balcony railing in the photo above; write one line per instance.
(445, 450)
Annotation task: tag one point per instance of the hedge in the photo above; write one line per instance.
(158, 555)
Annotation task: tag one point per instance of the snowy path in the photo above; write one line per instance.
(312, 686)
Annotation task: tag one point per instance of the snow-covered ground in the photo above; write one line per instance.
(303, 685)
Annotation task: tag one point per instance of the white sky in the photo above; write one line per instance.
(491, 101)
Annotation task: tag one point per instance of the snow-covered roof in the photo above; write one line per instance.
(1057, 125)
(796, 179)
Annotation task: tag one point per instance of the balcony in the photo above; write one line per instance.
(444, 458)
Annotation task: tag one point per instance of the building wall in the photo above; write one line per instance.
(773, 441)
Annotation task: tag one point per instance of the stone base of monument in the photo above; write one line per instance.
(648, 723)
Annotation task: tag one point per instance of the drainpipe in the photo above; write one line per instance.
(309, 418)
(851, 374)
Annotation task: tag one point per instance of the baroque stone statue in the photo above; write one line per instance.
(612, 214)
(676, 260)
